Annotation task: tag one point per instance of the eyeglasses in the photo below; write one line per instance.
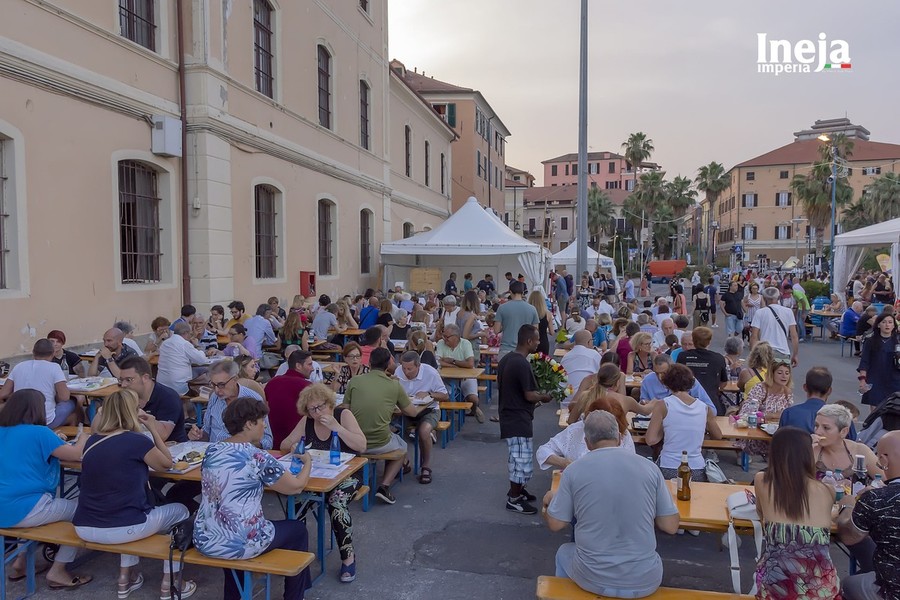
(224, 384)
(315, 409)
(353, 356)
(127, 380)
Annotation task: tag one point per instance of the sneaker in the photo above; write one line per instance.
(715, 326)
(520, 505)
(528, 495)
(384, 494)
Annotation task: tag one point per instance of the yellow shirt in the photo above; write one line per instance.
(754, 380)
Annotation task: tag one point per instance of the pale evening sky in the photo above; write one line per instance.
(683, 73)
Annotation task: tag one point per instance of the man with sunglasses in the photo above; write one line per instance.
(223, 380)
(282, 393)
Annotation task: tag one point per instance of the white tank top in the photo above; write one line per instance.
(684, 428)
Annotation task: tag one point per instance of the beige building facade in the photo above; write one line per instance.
(606, 170)
(759, 211)
(549, 215)
(515, 184)
(302, 152)
(479, 154)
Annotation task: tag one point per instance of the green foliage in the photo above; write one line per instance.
(814, 289)
(880, 201)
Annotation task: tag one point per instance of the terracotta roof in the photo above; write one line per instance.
(426, 103)
(423, 84)
(512, 183)
(573, 156)
(807, 152)
(566, 193)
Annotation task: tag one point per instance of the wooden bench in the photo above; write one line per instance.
(285, 563)
(373, 472)
(458, 419)
(559, 588)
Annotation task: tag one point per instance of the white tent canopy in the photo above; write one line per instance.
(471, 240)
(849, 248)
(568, 257)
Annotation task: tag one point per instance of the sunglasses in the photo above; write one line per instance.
(782, 361)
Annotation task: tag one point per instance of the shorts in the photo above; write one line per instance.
(521, 459)
(431, 417)
(396, 443)
(469, 387)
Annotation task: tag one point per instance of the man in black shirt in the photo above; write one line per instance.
(708, 367)
(876, 514)
(450, 286)
(518, 397)
(162, 402)
(486, 285)
(113, 351)
(731, 306)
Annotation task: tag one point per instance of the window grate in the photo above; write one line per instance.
(326, 238)
(365, 241)
(137, 22)
(263, 53)
(264, 230)
(4, 216)
(139, 230)
(407, 136)
(364, 114)
(324, 87)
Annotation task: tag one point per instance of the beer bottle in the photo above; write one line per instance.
(684, 478)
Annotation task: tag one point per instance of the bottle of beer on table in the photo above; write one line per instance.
(684, 478)
(860, 478)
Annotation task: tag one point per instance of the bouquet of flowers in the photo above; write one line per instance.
(550, 375)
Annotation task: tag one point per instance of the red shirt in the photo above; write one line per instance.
(281, 394)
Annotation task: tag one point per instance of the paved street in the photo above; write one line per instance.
(454, 539)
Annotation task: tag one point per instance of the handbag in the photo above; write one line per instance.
(182, 534)
(714, 473)
(742, 505)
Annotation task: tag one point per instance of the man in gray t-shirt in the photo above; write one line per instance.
(511, 316)
(611, 556)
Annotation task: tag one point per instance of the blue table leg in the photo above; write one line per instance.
(365, 501)
(198, 408)
(745, 461)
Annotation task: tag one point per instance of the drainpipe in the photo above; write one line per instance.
(182, 102)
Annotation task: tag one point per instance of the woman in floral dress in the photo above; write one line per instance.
(230, 522)
(772, 396)
(796, 513)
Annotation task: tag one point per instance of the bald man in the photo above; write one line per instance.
(876, 514)
(582, 360)
(112, 352)
(667, 328)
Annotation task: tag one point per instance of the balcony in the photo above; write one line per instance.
(532, 233)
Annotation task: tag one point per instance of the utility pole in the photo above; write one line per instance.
(581, 217)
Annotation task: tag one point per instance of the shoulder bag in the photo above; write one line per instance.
(742, 505)
(780, 324)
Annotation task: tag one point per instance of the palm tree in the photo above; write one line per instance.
(712, 180)
(882, 198)
(856, 216)
(664, 229)
(814, 190)
(601, 216)
(637, 149)
(649, 197)
(681, 196)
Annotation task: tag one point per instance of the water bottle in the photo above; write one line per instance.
(838, 485)
(832, 483)
(296, 463)
(334, 455)
(878, 482)
(751, 420)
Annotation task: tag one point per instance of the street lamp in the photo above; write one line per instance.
(825, 138)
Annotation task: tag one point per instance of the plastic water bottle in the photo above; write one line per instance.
(334, 455)
(830, 481)
(838, 485)
(751, 420)
(296, 463)
(878, 482)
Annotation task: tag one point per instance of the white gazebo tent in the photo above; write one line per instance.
(568, 257)
(472, 240)
(850, 247)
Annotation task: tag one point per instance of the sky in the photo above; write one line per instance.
(684, 73)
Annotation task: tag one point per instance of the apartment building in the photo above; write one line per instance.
(549, 215)
(759, 212)
(515, 184)
(154, 152)
(606, 170)
(479, 154)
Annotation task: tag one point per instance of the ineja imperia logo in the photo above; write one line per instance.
(805, 56)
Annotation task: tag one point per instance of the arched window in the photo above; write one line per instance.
(324, 59)
(427, 164)
(326, 237)
(407, 136)
(264, 48)
(365, 241)
(409, 230)
(364, 100)
(265, 230)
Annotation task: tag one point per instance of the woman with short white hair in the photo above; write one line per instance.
(832, 448)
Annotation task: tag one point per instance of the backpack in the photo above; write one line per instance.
(881, 420)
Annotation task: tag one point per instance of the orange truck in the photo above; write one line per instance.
(664, 271)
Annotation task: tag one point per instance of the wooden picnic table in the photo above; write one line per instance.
(349, 332)
(457, 373)
(826, 313)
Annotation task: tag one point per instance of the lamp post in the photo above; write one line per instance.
(582, 213)
(825, 138)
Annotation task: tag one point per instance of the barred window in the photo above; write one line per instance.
(326, 237)
(364, 114)
(4, 212)
(443, 174)
(407, 136)
(139, 229)
(137, 22)
(427, 164)
(263, 48)
(408, 230)
(265, 237)
(324, 87)
(365, 241)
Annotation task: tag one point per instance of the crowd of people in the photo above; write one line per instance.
(267, 392)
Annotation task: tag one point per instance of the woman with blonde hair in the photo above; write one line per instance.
(247, 374)
(319, 420)
(116, 509)
(754, 372)
(640, 359)
(344, 316)
(774, 394)
(609, 382)
(546, 327)
(292, 333)
(419, 342)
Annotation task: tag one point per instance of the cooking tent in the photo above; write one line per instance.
(850, 247)
(471, 240)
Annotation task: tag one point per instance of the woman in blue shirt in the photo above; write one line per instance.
(230, 522)
(29, 475)
(113, 506)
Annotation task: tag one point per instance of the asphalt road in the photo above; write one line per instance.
(454, 539)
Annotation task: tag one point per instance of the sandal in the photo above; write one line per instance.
(407, 468)
(348, 572)
(77, 581)
(425, 477)
(495, 419)
(187, 590)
